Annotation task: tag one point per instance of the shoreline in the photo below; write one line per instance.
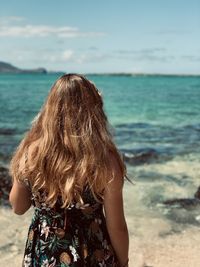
(153, 241)
(148, 249)
(119, 74)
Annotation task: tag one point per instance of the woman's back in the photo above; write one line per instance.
(74, 173)
(73, 236)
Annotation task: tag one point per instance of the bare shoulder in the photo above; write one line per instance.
(117, 180)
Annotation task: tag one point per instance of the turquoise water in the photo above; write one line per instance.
(157, 127)
(158, 112)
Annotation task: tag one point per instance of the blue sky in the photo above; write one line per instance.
(102, 36)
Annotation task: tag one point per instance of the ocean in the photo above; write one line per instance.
(156, 125)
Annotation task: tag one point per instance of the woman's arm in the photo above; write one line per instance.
(114, 213)
(20, 195)
(20, 198)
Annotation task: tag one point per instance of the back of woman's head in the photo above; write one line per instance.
(73, 140)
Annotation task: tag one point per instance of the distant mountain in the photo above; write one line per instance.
(8, 68)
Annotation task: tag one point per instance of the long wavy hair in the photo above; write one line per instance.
(74, 143)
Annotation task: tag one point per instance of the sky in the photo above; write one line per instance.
(106, 36)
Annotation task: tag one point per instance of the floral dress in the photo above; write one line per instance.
(74, 236)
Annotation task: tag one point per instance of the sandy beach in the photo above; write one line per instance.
(149, 249)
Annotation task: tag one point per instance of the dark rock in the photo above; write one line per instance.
(5, 186)
(141, 157)
(185, 202)
(7, 131)
(197, 194)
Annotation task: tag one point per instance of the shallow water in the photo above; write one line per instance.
(156, 124)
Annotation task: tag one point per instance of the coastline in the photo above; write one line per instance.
(8, 68)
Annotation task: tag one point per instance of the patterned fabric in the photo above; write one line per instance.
(74, 236)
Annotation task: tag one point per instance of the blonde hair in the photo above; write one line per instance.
(75, 143)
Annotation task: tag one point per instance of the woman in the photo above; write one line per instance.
(68, 167)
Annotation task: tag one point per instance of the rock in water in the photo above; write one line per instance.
(141, 156)
(197, 194)
(185, 202)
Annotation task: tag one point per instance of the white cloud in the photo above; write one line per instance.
(10, 19)
(68, 54)
(75, 57)
(13, 27)
(92, 57)
(159, 54)
(49, 57)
